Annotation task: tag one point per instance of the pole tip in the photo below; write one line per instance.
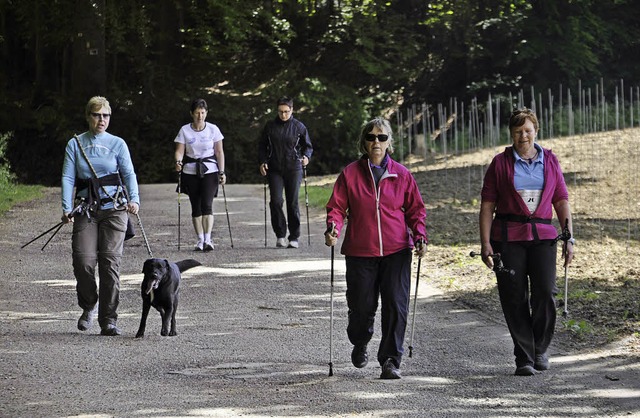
(330, 369)
(410, 351)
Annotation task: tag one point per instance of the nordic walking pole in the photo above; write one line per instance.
(58, 225)
(224, 194)
(61, 225)
(565, 237)
(306, 202)
(565, 313)
(331, 317)
(333, 228)
(413, 315)
(265, 211)
(179, 196)
(80, 209)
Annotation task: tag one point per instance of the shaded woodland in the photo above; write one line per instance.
(343, 61)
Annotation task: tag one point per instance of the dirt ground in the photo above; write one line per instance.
(604, 278)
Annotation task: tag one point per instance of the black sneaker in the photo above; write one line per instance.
(86, 319)
(359, 356)
(542, 362)
(110, 330)
(526, 370)
(389, 370)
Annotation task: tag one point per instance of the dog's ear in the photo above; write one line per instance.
(167, 264)
(144, 266)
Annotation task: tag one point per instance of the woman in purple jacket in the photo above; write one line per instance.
(386, 216)
(522, 187)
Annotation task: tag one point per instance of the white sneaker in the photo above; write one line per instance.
(208, 246)
(281, 243)
(199, 246)
(294, 243)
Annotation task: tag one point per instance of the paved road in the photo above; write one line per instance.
(253, 336)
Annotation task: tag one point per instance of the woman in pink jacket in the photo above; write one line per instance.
(379, 200)
(522, 187)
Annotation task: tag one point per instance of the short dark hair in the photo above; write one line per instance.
(198, 103)
(285, 100)
(520, 116)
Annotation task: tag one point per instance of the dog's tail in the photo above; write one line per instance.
(187, 264)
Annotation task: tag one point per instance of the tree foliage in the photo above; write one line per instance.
(343, 61)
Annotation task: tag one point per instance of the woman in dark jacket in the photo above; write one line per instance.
(284, 148)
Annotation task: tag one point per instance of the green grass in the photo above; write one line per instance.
(318, 195)
(12, 194)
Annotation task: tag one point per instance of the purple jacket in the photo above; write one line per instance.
(380, 220)
(498, 187)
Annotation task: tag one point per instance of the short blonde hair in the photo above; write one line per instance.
(380, 123)
(96, 103)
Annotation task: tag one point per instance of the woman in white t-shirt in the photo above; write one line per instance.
(200, 161)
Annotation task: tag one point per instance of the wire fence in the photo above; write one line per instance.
(596, 138)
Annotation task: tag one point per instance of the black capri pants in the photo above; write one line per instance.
(201, 192)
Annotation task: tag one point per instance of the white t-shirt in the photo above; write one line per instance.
(199, 144)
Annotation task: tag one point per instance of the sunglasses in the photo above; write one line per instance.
(379, 137)
(103, 115)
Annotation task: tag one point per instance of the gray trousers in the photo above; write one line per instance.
(98, 241)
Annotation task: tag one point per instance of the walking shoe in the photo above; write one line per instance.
(208, 246)
(199, 246)
(110, 330)
(86, 319)
(542, 362)
(359, 356)
(389, 370)
(526, 370)
(281, 243)
(294, 243)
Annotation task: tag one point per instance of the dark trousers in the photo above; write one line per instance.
(99, 240)
(289, 182)
(201, 192)
(528, 298)
(387, 278)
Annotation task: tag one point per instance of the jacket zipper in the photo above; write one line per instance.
(377, 190)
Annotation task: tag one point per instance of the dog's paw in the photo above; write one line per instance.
(164, 333)
(140, 335)
(173, 333)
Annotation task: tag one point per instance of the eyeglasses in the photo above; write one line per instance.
(101, 115)
(379, 137)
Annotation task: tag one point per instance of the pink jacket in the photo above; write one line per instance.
(498, 187)
(381, 221)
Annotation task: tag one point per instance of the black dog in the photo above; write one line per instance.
(160, 288)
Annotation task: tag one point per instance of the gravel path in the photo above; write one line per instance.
(253, 336)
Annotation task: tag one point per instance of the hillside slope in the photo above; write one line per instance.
(604, 287)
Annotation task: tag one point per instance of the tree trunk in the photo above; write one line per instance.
(88, 63)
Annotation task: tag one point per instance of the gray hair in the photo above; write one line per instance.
(382, 124)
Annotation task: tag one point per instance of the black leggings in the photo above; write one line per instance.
(201, 192)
